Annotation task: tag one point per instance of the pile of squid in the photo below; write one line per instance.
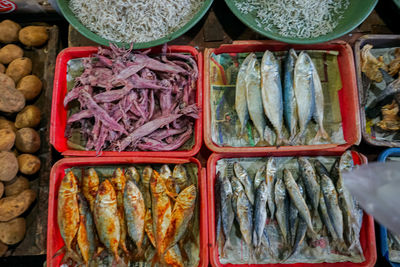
(130, 217)
(278, 214)
(134, 101)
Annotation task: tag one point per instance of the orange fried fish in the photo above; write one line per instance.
(68, 214)
(90, 186)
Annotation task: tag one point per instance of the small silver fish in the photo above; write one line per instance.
(282, 216)
(260, 176)
(332, 204)
(260, 214)
(240, 94)
(253, 96)
(325, 217)
(227, 213)
(296, 197)
(237, 187)
(310, 181)
(246, 181)
(245, 217)
(271, 170)
(304, 93)
(271, 91)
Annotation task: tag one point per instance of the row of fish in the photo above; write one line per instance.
(313, 203)
(264, 98)
(155, 209)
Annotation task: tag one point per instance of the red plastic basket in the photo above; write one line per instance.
(59, 113)
(54, 239)
(367, 234)
(348, 96)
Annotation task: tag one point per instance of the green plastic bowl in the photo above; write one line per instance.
(355, 14)
(70, 17)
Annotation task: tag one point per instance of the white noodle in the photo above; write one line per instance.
(295, 18)
(134, 20)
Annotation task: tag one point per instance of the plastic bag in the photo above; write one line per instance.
(376, 187)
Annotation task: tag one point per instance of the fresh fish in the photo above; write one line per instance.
(217, 199)
(346, 202)
(320, 168)
(270, 181)
(227, 214)
(68, 214)
(260, 176)
(282, 216)
(310, 181)
(271, 91)
(180, 176)
(304, 92)
(146, 177)
(118, 181)
(319, 105)
(148, 227)
(240, 94)
(181, 215)
(132, 174)
(173, 257)
(237, 187)
(289, 99)
(105, 214)
(161, 209)
(300, 235)
(325, 217)
(246, 181)
(260, 213)
(245, 217)
(253, 95)
(293, 222)
(86, 235)
(297, 198)
(332, 204)
(135, 213)
(392, 89)
(90, 186)
(269, 136)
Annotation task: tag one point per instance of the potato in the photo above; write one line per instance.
(6, 124)
(28, 164)
(16, 186)
(9, 31)
(3, 249)
(11, 100)
(19, 68)
(7, 139)
(12, 207)
(1, 189)
(10, 52)
(9, 166)
(28, 117)
(30, 86)
(33, 35)
(12, 232)
(6, 80)
(2, 68)
(27, 140)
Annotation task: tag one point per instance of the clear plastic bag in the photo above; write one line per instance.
(376, 187)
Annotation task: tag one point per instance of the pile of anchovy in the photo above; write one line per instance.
(135, 101)
(295, 206)
(133, 216)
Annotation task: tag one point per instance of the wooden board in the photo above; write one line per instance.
(43, 60)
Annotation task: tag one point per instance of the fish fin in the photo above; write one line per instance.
(321, 134)
(59, 252)
(73, 256)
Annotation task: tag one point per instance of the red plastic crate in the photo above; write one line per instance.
(59, 113)
(367, 234)
(54, 239)
(348, 97)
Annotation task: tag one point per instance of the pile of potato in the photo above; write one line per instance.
(19, 140)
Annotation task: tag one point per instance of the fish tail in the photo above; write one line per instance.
(227, 245)
(262, 143)
(60, 251)
(321, 134)
(255, 239)
(73, 256)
